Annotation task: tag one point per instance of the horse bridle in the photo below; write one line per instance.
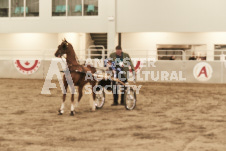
(60, 51)
(61, 54)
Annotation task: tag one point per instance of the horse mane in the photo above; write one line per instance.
(67, 45)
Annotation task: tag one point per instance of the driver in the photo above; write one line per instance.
(120, 62)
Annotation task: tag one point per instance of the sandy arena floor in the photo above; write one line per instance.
(168, 117)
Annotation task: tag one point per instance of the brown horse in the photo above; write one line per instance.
(77, 73)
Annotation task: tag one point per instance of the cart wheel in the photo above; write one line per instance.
(100, 99)
(130, 99)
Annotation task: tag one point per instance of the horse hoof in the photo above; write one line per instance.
(59, 112)
(72, 113)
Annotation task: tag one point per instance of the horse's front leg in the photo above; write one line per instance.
(61, 111)
(92, 101)
(93, 97)
(72, 105)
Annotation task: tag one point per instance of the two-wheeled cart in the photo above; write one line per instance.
(129, 97)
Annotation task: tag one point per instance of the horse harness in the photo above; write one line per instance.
(76, 68)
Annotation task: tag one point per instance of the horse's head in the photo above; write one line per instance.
(62, 48)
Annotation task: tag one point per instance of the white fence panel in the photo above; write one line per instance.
(177, 69)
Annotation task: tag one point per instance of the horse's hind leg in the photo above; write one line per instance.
(61, 111)
(93, 97)
(80, 94)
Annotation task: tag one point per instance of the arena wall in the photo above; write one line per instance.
(186, 72)
(224, 71)
(160, 71)
(191, 22)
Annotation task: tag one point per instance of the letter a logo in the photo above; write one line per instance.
(202, 71)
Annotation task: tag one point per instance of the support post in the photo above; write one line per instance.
(111, 34)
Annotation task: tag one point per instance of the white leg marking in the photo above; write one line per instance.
(72, 106)
(62, 108)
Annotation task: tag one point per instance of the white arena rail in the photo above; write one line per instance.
(216, 69)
